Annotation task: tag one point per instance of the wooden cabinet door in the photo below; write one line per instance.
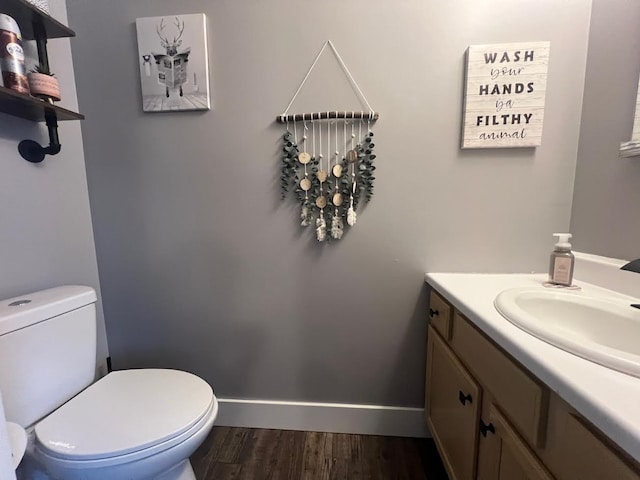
(504, 455)
(453, 401)
(489, 444)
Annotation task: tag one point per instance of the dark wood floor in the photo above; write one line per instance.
(258, 454)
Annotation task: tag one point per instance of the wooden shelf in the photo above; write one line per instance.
(39, 26)
(31, 108)
(27, 15)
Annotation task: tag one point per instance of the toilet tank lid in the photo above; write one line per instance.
(24, 310)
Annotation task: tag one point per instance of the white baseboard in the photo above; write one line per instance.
(323, 417)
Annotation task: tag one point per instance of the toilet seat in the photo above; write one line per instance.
(128, 413)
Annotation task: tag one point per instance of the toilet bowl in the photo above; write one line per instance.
(131, 424)
(140, 424)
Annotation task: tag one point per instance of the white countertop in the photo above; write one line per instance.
(608, 399)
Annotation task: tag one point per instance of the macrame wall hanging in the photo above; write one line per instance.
(327, 161)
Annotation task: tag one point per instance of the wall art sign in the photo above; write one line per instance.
(174, 63)
(504, 95)
(635, 135)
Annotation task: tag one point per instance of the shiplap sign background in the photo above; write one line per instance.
(504, 95)
(635, 136)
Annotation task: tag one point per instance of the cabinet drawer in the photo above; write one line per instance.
(440, 314)
(587, 457)
(522, 399)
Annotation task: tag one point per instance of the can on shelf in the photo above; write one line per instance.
(12, 55)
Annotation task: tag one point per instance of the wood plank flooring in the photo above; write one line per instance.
(259, 454)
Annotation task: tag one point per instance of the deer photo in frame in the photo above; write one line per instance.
(174, 62)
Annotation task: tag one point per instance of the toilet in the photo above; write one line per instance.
(139, 424)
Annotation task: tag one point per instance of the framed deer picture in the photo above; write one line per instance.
(174, 63)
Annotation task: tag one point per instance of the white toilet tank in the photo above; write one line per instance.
(47, 350)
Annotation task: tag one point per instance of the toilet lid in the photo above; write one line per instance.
(124, 412)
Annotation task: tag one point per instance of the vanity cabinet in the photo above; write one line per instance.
(491, 419)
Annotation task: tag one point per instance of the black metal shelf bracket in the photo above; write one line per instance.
(31, 150)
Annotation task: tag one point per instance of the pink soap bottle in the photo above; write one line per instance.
(562, 261)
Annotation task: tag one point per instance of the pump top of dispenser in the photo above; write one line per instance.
(563, 242)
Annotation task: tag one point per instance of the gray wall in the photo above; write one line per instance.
(203, 268)
(46, 237)
(606, 219)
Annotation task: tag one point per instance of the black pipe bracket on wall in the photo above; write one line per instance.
(30, 150)
(33, 152)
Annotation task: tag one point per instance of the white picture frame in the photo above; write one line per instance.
(174, 63)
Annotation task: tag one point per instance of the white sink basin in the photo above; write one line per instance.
(603, 330)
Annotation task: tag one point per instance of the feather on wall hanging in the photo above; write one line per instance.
(332, 176)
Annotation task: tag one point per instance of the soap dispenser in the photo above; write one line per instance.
(562, 260)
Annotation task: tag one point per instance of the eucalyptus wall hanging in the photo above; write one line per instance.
(328, 161)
